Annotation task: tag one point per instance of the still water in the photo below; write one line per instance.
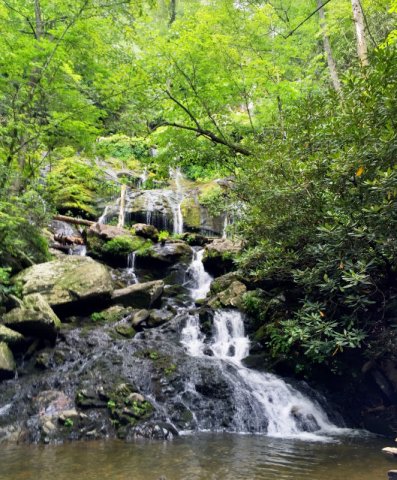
(200, 457)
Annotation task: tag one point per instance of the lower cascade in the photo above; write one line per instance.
(264, 403)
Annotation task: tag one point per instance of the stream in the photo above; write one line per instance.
(199, 457)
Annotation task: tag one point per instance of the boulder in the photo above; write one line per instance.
(166, 254)
(70, 283)
(219, 256)
(146, 231)
(139, 295)
(107, 232)
(223, 282)
(158, 317)
(139, 317)
(231, 297)
(36, 318)
(10, 337)
(390, 451)
(7, 362)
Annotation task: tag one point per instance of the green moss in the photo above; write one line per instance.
(120, 246)
(191, 213)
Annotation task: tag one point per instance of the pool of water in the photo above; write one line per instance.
(199, 457)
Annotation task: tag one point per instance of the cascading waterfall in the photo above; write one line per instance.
(264, 403)
(103, 218)
(199, 279)
(131, 268)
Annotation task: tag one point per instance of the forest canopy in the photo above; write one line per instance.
(295, 99)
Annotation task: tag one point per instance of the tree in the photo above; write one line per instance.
(362, 48)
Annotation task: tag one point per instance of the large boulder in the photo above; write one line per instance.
(113, 245)
(165, 254)
(146, 231)
(36, 318)
(219, 256)
(69, 284)
(139, 295)
(231, 297)
(7, 362)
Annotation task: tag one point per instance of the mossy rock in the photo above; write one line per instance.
(125, 330)
(190, 209)
(36, 318)
(7, 362)
(70, 283)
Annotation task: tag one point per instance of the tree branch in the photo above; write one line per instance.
(208, 134)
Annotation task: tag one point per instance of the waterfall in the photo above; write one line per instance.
(199, 279)
(264, 403)
(103, 218)
(225, 225)
(131, 267)
(262, 400)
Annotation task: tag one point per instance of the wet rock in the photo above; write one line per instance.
(139, 317)
(219, 255)
(195, 239)
(10, 337)
(231, 297)
(68, 414)
(165, 255)
(157, 431)
(107, 232)
(390, 451)
(125, 330)
(392, 474)
(70, 284)
(35, 319)
(146, 231)
(7, 362)
(223, 282)
(158, 317)
(139, 295)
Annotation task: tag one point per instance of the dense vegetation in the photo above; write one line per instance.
(273, 93)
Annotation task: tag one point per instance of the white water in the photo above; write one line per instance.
(131, 267)
(289, 413)
(198, 277)
(103, 218)
(225, 225)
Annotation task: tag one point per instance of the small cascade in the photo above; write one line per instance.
(103, 219)
(131, 268)
(143, 178)
(198, 278)
(264, 403)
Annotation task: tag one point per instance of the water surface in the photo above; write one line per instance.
(200, 457)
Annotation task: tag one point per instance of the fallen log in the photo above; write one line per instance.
(74, 221)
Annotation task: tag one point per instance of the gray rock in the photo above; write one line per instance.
(167, 254)
(231, 297)
(139, 295)
(68, 281)
(36, 318)
(219, 255)
(158, 317)
(139, 317)
(146, 231)
(7, 362)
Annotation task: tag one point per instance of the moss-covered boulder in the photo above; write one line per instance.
(146, 231)
(139, 295)
(223, 282)
(231, 297)
(72, 283)
(219, 256)
(36, 318)
(10, 337)
(165, 254)
(112, 245)
(7, 362)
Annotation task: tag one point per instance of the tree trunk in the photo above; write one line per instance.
(74, 221)
(172, 12)
(327, 49)
(121, 221)
(362, 49)
(38, 19)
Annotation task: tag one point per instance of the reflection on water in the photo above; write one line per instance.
(206, 456)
